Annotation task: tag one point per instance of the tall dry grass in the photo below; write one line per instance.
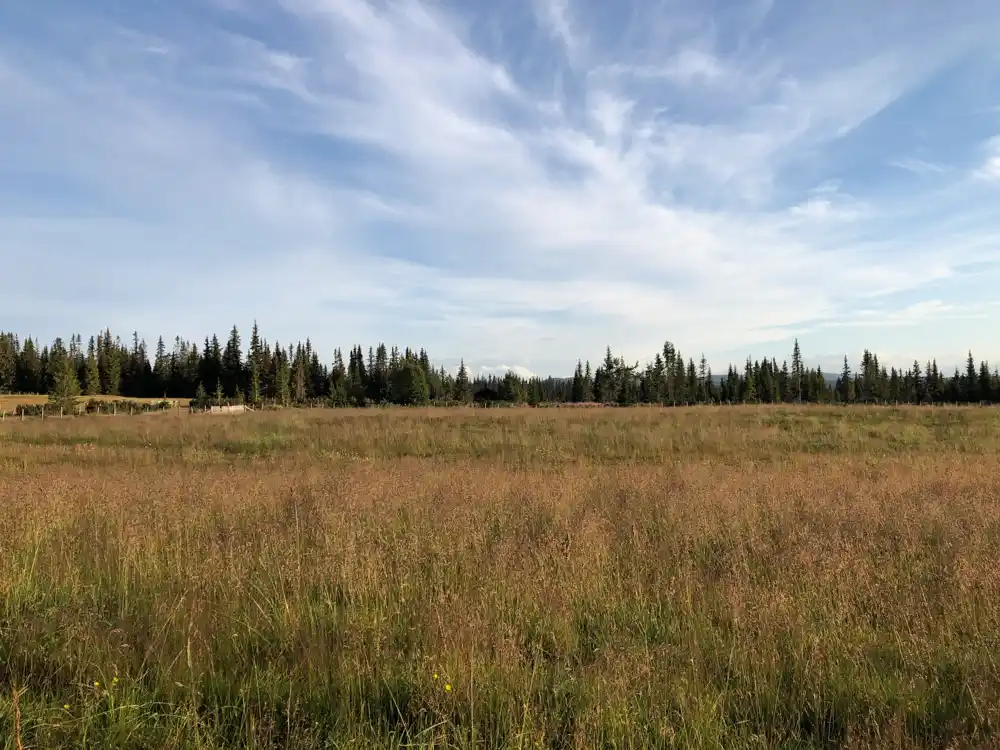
(533, 578)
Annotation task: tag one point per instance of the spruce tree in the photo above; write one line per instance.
(576, 390)
(971, 384)
(919, 388)
(254, 382)
(846, 383)
(798, 372)
(232, 364)
(985, 383)
(750, 393)
(161, 368)
(111, 379)
(409, 384)
(463, 388)
(65, 385)
(200, 397)
(8, 362)
(93, 382)
(29, 373)
(255, 363)
(282, 376)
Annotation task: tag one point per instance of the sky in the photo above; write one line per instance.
(520, 183)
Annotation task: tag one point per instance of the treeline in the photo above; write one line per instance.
(294, 375)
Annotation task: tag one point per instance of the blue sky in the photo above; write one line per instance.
(518, 182)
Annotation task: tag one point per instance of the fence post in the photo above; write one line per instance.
(43, 413)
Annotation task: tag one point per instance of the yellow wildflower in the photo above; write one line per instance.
(97, 684)
(66, 706)
(447, 687)
(435, 675)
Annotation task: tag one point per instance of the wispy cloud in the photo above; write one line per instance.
(990, 168)
(356, 170)
(918, 166)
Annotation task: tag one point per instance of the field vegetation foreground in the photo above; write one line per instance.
(565, 578)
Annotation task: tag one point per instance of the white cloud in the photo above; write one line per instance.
(918, 166)
(914, 314)
(557, 17)
(378, 174)
(990, 169)
(501, 370)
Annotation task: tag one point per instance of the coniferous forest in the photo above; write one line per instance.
(264, 373)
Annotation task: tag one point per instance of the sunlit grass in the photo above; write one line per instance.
(511, 578)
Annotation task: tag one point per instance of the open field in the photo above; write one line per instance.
(565, 578)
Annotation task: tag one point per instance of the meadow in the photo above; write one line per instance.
(731, 577)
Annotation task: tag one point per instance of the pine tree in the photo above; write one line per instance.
(703, 374)
(750, 394)
(29, 368)
(232, 364)
(691, 383)
(200, 397)
(463, 388)
(409, 384)
(256, 366)
(110, 364)
(798, 372)
(8, 362)
(338, 381)
(298, 375)
(378, 376)
(66, 385)
(970, 386)
(609, 379)
(93, 372)
(576, 390)
(919, 387)
(846, 383)
(282, 376)
(255, 390)
(985, 383)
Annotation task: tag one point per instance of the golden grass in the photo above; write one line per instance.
(712, 577)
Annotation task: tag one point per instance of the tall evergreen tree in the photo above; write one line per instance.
(65, 385)
(282, 376)
(750, 387)
(463, 388)
(232, 365)
(971, 381)
(254, 394)
(29, 375)
(93, 372)
(409, 384)
(798, 371)
(985, 383)
(846, 383)
(8, 362)
(576, 391)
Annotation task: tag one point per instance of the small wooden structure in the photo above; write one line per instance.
(236, 409)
